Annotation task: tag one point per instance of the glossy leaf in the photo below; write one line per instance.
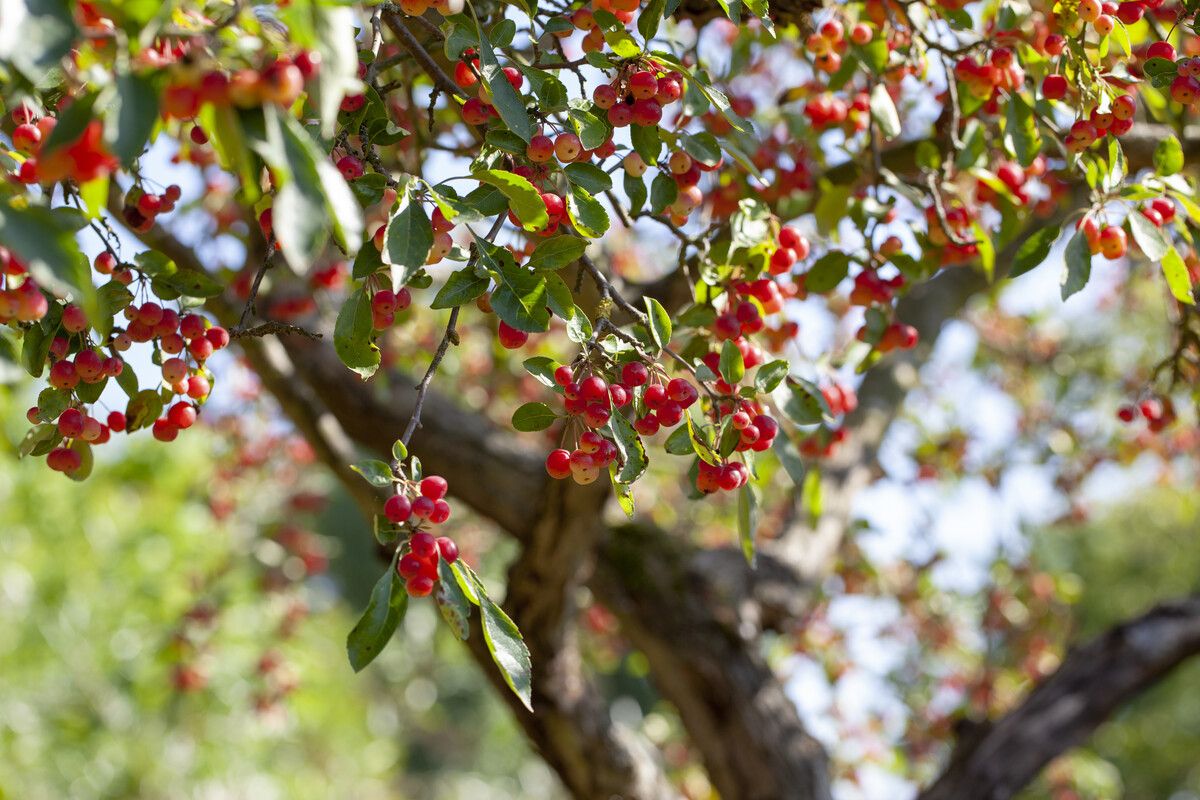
(524, 200)
(533, 417)
(660, 322)
(507, 647)
(352, 335)
(385, 609)
(408, 238)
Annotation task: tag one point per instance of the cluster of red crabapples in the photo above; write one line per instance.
(184, 342)
(385, 304)
(986, 79)
(637, 96)
(420, 505)
(591, 400)
(828, 43)
(84, 159)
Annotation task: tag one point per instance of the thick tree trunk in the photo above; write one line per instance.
(698, 627)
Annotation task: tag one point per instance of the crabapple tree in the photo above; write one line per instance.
(535, 257)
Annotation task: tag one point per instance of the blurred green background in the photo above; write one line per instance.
(118, 590)
(162, 635)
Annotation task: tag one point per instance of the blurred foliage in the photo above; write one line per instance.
(108, 590)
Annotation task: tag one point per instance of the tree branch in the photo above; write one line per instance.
(1067, 707)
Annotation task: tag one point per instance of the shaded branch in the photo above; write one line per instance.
(1067, 707)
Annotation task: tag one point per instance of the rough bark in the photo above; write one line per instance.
(1067, 707)
(699, 627)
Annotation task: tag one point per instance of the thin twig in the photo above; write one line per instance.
(431, 67)
(266, 264)
(448, 338)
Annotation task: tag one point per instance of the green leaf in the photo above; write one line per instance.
(128, 382)
(376, 472)
(507, 647)
(1078, 265)
(635, 190)
(810, 495)
(622, 491)
(732, 367)
(451, 601)
(770, 375)
(51, 403)
(367, 262)
(1021, 135)
(987, 250)
(679, 443)
(790, 458)
(559, 297)
(352, 335)
(660, 323)
(223, 125)
(556, 253)
(828, 271)
(142, 409)
(592, 130)
(650, 18)
(663, 192)
(507, 141)
(747, 521)
(94, 194)
(588, 176)
(646, 142)
(533, 417)
(524, 200)
(312, 200)
(551, 93)
(90, 392)
(579, 327)
(542, 368)
(35, 35)
(1034, 250)
(1168, 156)
(702, 447)
(408, 238)
(1149, 237)
(335, 34)
(185, 283)
(520, 297)
(505, 98)
(466, 580)
(41, 238)
(883, 111)
(702, 147)
(832, 203)
(586, 213)
(86, 460)
(618, 39)
(39, 439)
(461, 287)
(629, 445)
(805, 405)
(374, 629)
(129, 115)
(1178, 279)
